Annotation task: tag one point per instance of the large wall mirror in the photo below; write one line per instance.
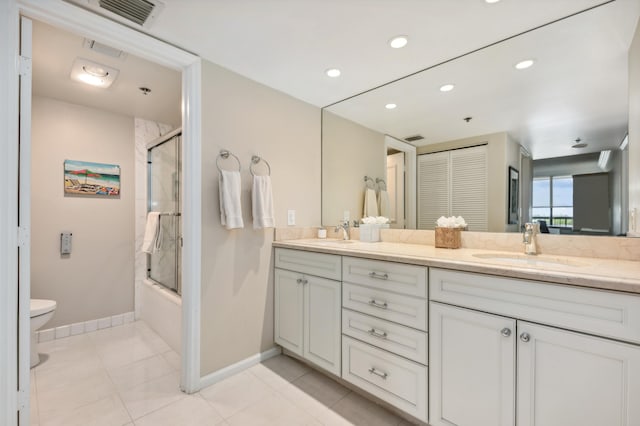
(558, 126)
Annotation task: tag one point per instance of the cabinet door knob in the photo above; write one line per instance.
(378, 276)
(525, 337)
(381, 374)
(302, 281)
(506, 332)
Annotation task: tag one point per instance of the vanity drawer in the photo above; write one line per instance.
(401, 340)
(405, 310)
(599, 312)
(400, 382)
(318, 264)
(396, 277)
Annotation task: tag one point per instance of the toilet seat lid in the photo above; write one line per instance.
(41, 306)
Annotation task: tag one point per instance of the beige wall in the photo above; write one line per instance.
(237, 280)
(349, 153)
(634, 129)
(502, 152)
(96, 280)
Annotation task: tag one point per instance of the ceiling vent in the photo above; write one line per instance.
(139, 12)
(413, 138)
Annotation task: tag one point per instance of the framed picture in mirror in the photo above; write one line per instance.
(514, 200)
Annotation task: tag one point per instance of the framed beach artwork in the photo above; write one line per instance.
(85, 178)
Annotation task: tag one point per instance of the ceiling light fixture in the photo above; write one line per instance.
(399, 41)
(333, 72)
(491, 1)
(390, 106)
(93, 73)
(579, 144)
(523, 65)
(447, 87)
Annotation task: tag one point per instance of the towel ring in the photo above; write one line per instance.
(224, 154)
(371, 184)
(254, 161)
(381, 184)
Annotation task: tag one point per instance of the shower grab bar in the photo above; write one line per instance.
(224, 154)
(255, 160)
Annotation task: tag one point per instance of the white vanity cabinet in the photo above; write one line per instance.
(384, 324)
(488, 344)
(308, 306)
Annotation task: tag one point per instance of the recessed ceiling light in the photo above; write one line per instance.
(390, 106)
(524, 64)
(447, 88)
(492, 1)
(399, 41)
(333, 72)
(93, 73)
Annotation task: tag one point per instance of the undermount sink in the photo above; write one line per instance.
(335, 242)
(528, 260)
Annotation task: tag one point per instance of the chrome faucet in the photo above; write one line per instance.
(344, 225)
(529, 238)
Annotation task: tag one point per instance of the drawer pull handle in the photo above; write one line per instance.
(506, 332)
(381, 374)
(375, 304)
(525, 337)
(375, 333)
(302, 281)
(378, 276)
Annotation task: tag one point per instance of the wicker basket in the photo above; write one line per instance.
(448, 238)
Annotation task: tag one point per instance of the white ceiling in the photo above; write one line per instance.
(576, 88)
(54, 51)
(288, 44)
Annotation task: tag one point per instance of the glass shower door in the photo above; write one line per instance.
(164, 180)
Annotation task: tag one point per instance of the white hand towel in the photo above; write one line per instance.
(262, 203)
(151, 233)
(370, 203)
(230, 207)
(383, 203)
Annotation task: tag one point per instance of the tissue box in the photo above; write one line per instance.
(448, 238)
(370, 232)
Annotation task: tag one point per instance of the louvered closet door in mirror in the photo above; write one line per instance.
(433, 188)
(454, 183)
(469, 192)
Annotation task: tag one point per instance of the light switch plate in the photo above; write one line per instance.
(291, 217)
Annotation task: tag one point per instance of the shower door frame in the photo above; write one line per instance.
(77, 20)
(178, 213)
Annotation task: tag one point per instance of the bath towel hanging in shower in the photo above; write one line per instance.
(152, 233)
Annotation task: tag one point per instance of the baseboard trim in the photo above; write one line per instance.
(236, 368)
(84, 327)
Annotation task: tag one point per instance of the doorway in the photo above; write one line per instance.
(77, 20)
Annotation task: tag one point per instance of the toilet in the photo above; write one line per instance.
(42, 311)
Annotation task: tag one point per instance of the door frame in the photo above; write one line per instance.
(411, 178)
(73, 18)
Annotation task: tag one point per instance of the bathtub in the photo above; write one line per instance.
(161, 309)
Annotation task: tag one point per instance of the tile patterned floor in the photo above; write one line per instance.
(126, 376)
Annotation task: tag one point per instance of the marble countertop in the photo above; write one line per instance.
(607, 274)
